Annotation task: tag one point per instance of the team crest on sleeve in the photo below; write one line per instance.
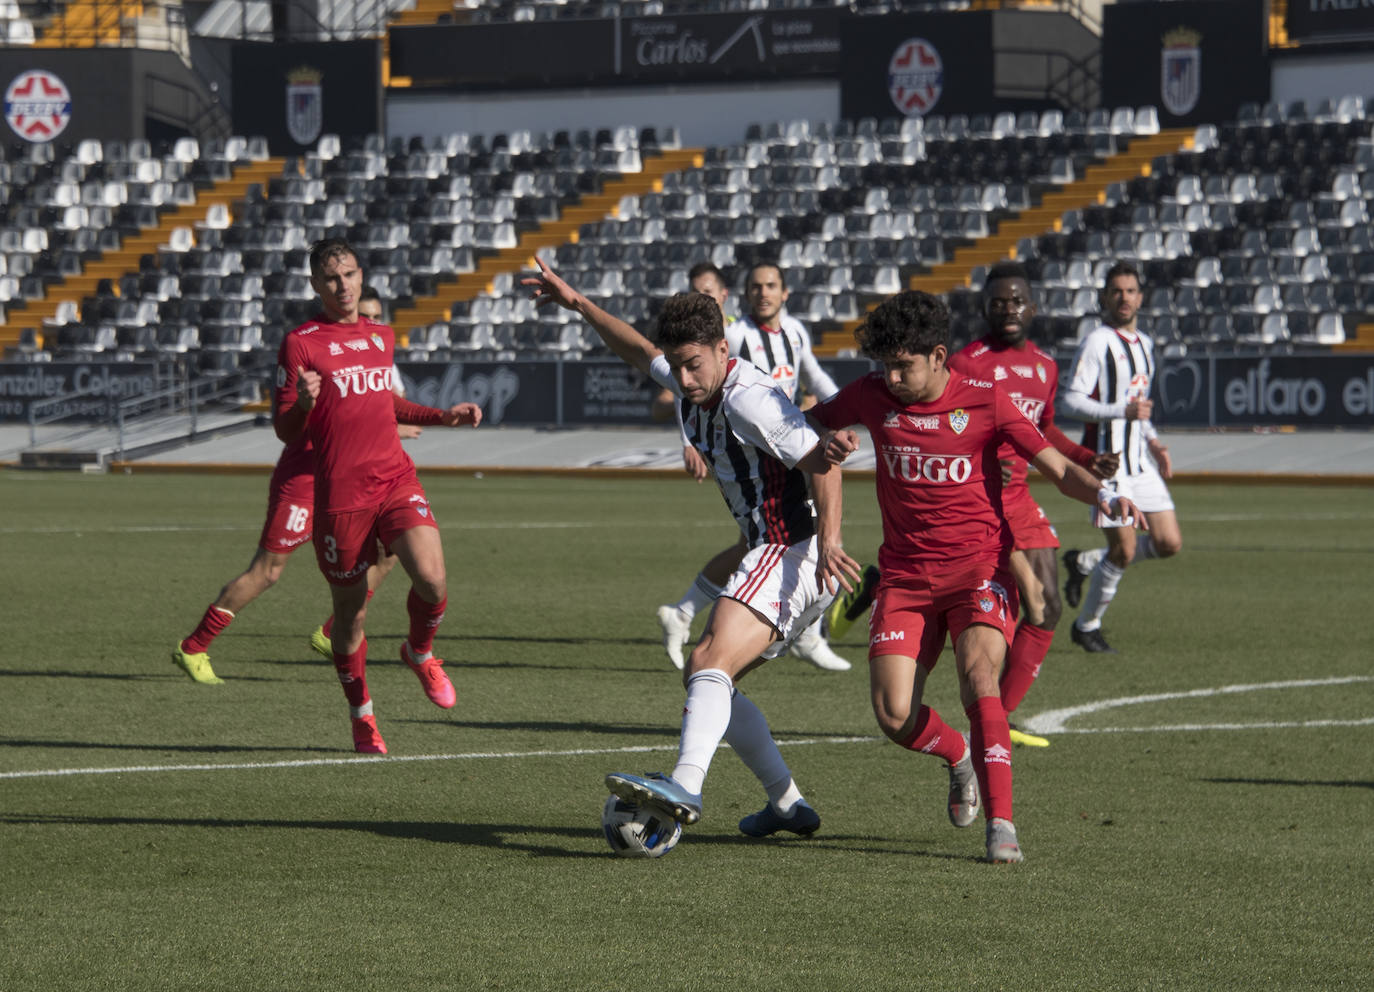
(958, 420)
(1040, 371)
(377, 340)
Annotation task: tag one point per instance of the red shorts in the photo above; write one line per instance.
(346, 542)
(290, 507)
(1030, 528)
(911, 618)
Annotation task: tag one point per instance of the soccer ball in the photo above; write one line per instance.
(636, 831)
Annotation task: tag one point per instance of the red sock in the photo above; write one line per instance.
(991, 743)
(211, 626)
(329, 624)
(933, 736)
(424, 621)
(1027, 654)
(352, 669)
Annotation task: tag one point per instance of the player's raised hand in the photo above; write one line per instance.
(462, 415)
(1104, 465)
(548, 288)
(1139, 409)
(408, 431)
(307, 388)
(839, 445)
(835, 570)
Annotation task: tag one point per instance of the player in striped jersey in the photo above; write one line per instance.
(780, 345)
(769, 464)
(1110, 390)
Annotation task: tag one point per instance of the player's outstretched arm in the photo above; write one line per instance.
(631, 347)
(1076, 482)
(834, 569)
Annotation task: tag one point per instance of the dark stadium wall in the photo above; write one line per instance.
(291, 93)
(905, 65)
(107, 90)
(633, 51)
(704, 114)
(1197, 61)
(1327, 21)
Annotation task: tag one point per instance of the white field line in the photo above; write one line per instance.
(380, 759)
(1051, 722)
(1056, 721)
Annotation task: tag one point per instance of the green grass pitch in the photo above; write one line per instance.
(157, 834)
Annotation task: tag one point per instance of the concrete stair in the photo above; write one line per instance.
(1083, 192)
(125, 259)
(1362, 342)
(435, 308)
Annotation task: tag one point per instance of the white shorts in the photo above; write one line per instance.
(1145, 489)
(778, 582)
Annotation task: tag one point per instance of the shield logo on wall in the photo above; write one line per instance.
(304, 104)
(1180, 73)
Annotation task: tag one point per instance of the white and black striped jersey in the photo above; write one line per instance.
(784, 353)
(1111, 368)
(753, 436)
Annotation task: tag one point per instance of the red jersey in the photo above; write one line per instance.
(939, 483)
(352, 427)
(1031, 378)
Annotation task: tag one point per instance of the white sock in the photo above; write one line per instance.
(363, 710)
(1144, 548)
(705, 718)
(1087, 560)
(700, 594)
(749, 736)
(418, 657)
(1101, 591)
(809, 637)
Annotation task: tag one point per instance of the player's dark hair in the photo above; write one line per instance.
(705, 268)
(765, 263)
(690, 318)
(912, 321)
(1121, 269)
(324, 251)
(369, 293)
(1007, 270)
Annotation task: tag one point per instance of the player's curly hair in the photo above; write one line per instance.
(912, 321)
(327, 249)
(690, 318)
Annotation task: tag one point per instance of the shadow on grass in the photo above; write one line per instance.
(186, 748)
(504, 836)
(55, 673)
(1348, 784)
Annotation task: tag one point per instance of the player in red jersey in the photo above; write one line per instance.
(290, 506)
(1010, 360)
(334, 379)
(945, 545)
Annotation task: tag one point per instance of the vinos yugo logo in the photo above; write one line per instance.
(38, 105)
